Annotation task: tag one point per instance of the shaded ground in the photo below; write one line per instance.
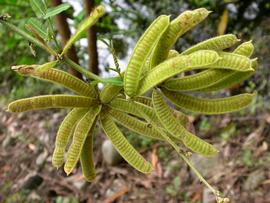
(241, 170)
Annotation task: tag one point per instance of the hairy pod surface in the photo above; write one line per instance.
(212, 79)
(108, 93)
(176, 65)
(86, 158)
(141, 51)
(209, 106)
(184, 22)
(216, 43)
(64, 133)
(59, 77)
(88, 22)
(50, 101)
(169, 122)
(135, 125)
(132, 108)
(124, 148)
(80, 133)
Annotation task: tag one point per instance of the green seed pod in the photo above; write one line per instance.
(80, 133)
(141, 51)
(170, 123)
(172, 53)
(86, 158)
(97, 13)
(64, 133)
(136, 125)
(184, 22)
(59, 77)
(216, 43)
(212, 79)
(132, 108)
(109, 92)
(176, 65)
(144, 100)
(232, 77)
(209, 106)
(245, 49)
(50, 101)
(124, 148)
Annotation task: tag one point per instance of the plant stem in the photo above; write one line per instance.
(80, 69)
(179, 152)
(29, 37)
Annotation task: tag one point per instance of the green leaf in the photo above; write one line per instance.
(37, 25)
(39, 7)
(56, 10)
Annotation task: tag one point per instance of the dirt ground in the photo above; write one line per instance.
(240, 171)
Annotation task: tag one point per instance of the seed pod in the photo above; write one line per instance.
(245, 49)
(141, 51)
(172, 53)
(169, 122)
(209, 106)
(216, 43)
(124, 148)
(59, 77)
(50, 101)
(80, 133)
(64, 133)
(109, 92)
(97, 13)
(184, 22)
(86, 158)
(176, 65)
(46, 66)
(212, 79)
(144, 100)
(132, 108)
(136, 125)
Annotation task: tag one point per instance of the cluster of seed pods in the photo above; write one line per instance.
(153, 68)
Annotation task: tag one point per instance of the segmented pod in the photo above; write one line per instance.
(176, 65)
(109, 92)
(169, 122)
(232, 77)
(64, 133)
(184, 22)
(86, 158)
(233, 61)
(131, 108)
(195, 81)
(209, 106)
(80, 133)
(245, 49)
(87, 23)
(212, 79)
(59, 77)
(141, 51)
(216, 43)
(50, 101)
(144, 100)
(124, 148)
(136, 125)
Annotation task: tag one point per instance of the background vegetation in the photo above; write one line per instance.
(26, 139)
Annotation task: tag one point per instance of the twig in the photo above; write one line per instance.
(116, 195)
